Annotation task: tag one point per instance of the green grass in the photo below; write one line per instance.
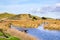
(9, 37)
(13, 38)
(6, 15)
(3, 39)
(1, 34)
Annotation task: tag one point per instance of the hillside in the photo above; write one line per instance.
(25, 20)
(22, 20)
(24, 16)
(6, 15)
(30, 21)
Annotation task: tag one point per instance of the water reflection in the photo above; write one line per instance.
(41, 33)
(44, 34)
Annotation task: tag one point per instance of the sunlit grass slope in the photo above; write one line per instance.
(28, 20)
(6, 15)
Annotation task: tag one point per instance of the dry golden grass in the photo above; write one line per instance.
(26, 23)
(32, 24)
(4, 25)
(29, 21)
(52, 25)
(21, 35)
(52, 21)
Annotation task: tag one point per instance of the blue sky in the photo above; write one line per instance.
(19, 2)
(48, 8)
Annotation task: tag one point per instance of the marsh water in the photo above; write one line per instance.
(43, 34)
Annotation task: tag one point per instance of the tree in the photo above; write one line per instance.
(35, 18)
(44, 18)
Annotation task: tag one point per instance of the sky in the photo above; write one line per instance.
(46, 8)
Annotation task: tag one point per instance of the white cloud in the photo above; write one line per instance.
(52, 11)
(57, 4)
(46, 10)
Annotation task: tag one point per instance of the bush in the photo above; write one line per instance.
(44, 18)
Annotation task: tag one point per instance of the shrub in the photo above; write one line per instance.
(44, 18)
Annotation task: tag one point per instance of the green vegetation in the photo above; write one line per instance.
(3, 39)
(24, 16)
(20, 16)
(10, 38)
(13, 38)
(1, 34)
(21, 20)
(6, 36)
(44, 18)
(17, 17)
(6, 15)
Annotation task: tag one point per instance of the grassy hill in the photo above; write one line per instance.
(30, 21)
(24, 16)
(6, 15)
(22, 20)
(25, 21)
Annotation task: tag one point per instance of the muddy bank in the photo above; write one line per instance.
(21, 35)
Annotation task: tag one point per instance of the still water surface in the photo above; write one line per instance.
(43, 34)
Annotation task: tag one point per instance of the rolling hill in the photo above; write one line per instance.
(6, 15)
(29, 21)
